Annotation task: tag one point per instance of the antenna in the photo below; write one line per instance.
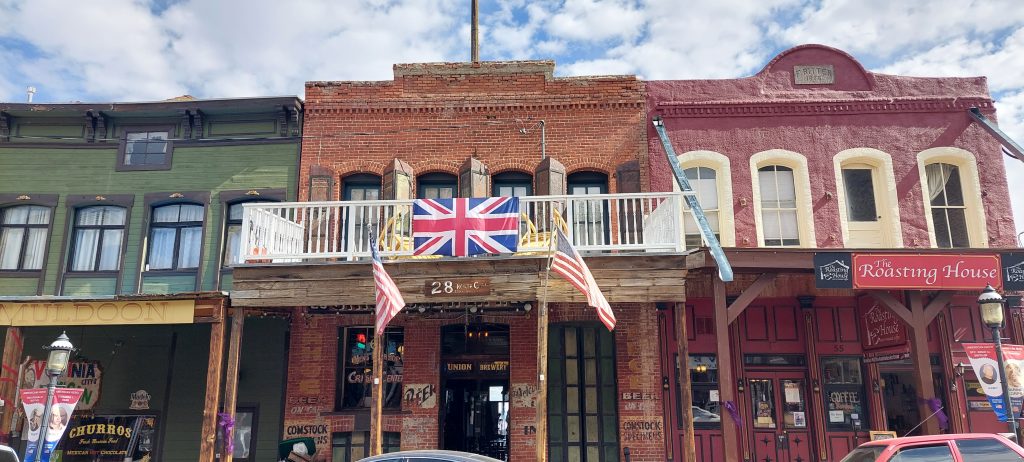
(475, 45)
(31, 92)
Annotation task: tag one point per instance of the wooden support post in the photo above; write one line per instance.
(877, 400)
(922, 362)
(685, 393)
(817, 400)
(542, 382)
(376, 398)
(9, 373)
(231, 378)
(955, 413)
(726, 384)
(214, 371)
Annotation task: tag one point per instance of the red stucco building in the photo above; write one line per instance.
(814, 165)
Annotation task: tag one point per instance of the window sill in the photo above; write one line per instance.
(171, 272)
(21, 273)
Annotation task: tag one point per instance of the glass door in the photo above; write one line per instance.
(779, 414)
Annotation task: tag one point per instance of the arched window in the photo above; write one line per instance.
(359, 220)
(97, 238)
(589, 216)
(512, 184)
(175, 237)
(866, 189)
(952, 198)
(361, 187)
(710, 175)
(233, 232)
(437, 186)
(782, 199)
(23, 233)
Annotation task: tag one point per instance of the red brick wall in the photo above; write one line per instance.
(313, 362)
(435, 116)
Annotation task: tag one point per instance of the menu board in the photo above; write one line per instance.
(111, 438)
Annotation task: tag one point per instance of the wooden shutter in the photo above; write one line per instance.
(550, 178)
(397, 181)
(473, 179)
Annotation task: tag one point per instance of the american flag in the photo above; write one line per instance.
(568, 263)
(461, 227)
(389, 299)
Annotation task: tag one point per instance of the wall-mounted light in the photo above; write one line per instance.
(875, 387)
(960, 368)
(527, 307)
(176, 195)
(815, 386)
(700, 368)
(740, 385)
(473, 309)
(422, 308)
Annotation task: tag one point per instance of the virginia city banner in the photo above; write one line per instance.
(34, 401)
(986, 367)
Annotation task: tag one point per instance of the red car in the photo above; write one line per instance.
(962, 447)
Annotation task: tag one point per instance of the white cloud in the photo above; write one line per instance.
(590, 20)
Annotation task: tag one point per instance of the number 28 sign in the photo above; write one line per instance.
(461, 286)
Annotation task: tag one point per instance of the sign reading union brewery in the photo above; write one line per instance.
(839, 270)
(97, 312)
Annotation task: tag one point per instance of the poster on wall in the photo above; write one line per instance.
(986, 367)
(79, 374)
(111, 438)
(34, 402)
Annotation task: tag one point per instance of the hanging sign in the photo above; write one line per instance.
(1013, 271)
(986, 367)
(884, 336)
(86, 376)
(34, 402)
(111, 438)
(832, 270)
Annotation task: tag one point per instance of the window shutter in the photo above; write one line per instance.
(397, 181)
(473, 179)
(550, 178)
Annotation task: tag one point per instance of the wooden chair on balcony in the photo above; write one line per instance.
(536, 242)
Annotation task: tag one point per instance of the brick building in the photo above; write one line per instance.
(816, 170)
(464, 366)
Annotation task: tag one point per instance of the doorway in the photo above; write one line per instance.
(902, 413)
(780, 416)
(475, 389)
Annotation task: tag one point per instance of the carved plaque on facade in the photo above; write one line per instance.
(814, 75)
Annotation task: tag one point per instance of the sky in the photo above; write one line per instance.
(144, 50)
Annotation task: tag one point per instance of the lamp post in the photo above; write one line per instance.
(56, 363)
(991, 306)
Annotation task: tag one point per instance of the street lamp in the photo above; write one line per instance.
(991, 305)
(56, 364)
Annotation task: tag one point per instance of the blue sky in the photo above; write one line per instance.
(119, 50)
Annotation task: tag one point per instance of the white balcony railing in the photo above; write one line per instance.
(282, 232)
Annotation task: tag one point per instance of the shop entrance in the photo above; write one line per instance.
(901, 397)
(780, 416)
(475, 389)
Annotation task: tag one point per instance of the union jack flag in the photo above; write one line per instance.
(461, 227)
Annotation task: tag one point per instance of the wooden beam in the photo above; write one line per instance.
(214, 370)
(922, 362)
(376, 395)
(937, 305)
(685, 393)
(9, 376)
(231, 378)
(748, 295)
(894, 305)
(730, 434)
(542, 382)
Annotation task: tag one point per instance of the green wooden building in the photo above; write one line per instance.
(119, 223)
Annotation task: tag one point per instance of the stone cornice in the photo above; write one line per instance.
(777, 108)
(419, 107)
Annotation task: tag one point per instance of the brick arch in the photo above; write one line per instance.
(435, 165)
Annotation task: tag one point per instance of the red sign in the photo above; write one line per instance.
(882, 328)
(908, 271)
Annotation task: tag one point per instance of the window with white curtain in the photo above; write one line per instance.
(233, 233)
(23, 233)
(949, 212)
(97, 238)
(778, 206)
(175, 237)
(704, 182)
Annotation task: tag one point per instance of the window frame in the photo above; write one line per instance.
(695, 385)
(886, 202)
(342, 366)
(859, 388)
(970, 185)
(233, 197)
(511, 178)
(73, 243)
(153, 200)
(366, 444)
(436, 179)
(8, 205)
(802, 189)
(588, 179)
(122, 147)
(723, 183)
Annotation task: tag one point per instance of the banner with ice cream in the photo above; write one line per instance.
(34, 402)
(986, 367)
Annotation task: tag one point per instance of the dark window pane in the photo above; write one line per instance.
(860, 195)
(986, 450)
(958, 228)
(939, 453)
(954, 191)
(941, 227)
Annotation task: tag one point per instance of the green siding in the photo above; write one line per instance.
(184, 416)
(50, 130)
(85, 287)
(226, 281)
(91, 171)
(18, 286)
(254, 127)
(263, 365)
(168, 284)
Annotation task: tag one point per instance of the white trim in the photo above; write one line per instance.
(723, 180)
(977, 226)
(889, 204)
(805, 216)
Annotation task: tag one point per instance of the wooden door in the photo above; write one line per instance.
(780, 417)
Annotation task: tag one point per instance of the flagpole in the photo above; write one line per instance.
(377, 406)
(542, 353)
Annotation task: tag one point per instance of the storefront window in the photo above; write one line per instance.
(844, 393)
(353, 446)
(705, 407)
(355, 367)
